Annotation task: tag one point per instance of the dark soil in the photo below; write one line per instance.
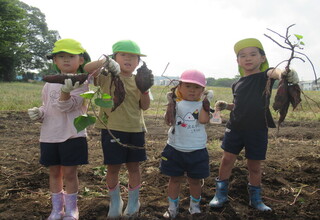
(291, 177)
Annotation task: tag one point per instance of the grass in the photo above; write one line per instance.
(19, 96)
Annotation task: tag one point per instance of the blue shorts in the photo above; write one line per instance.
(72, 152)
(255, 143)
(116, 154)
(176, 163)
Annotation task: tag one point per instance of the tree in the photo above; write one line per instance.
(12, 30)
(24, 39)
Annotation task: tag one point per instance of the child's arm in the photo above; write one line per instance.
(274, 73)
(222, 105)
(277, 73)
(94, 65)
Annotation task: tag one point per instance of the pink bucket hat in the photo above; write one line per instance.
(193, 76)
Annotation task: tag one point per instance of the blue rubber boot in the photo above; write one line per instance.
(133, 205)
(72, 212)
(221, 195)
(116, 203)
(255, 198)
(57, 212)
(173, 209)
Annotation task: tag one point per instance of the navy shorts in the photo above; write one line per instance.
(71, 152)
(116, 154)
(255, 143)
(176, 163)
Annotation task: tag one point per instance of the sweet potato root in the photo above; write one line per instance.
(81, 78)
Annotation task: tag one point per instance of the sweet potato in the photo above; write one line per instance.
(81, 78)
(119, 92)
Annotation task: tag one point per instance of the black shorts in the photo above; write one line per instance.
(176, 163)
(255, 143)
(72, 152)
(116, 154)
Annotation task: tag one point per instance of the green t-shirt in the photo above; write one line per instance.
(128, 117)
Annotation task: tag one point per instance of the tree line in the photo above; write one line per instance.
(24, 39)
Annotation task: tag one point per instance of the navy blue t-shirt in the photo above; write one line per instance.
(251, 105)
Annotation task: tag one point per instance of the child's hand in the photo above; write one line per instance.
(293, 77)
(68, 87)
(110, 66)
(221, 105)
(34, 113)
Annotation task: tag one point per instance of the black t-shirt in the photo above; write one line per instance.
(251, 105)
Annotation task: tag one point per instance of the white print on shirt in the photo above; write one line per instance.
(189, 121)
(54, 96)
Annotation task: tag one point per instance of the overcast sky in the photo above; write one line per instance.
(188, 34)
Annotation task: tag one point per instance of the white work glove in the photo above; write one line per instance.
(293, 77)
(34, 113)
(110, 66)
(221, 105)
(68, 87)
(209, 95)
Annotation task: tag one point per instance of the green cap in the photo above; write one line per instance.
(250, 42)
(127, 46)
(69, 46)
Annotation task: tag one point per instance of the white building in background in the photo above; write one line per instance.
(310, 85)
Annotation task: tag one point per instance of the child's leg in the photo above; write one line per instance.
(133, 188)
(55, 179)
(254, 186)
(56, 188)
(71, 196)
(173, 196)
(254, 168)
(226, 165)
(195, 195)
(134, 174)
(222, 182)
(113, 175)
(71, 180)
(116, 203)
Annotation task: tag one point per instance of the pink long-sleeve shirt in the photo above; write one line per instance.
(57, 120)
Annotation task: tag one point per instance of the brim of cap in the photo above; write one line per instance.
(192, 81)
(75, 52)
(139, 54)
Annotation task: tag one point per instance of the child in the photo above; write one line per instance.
(126, 123)
(62, 147)
(250, 118)
(186, 151)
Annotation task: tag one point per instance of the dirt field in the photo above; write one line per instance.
(291, 178)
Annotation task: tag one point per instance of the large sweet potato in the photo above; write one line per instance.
(81, 78)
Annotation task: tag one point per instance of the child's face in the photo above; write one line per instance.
(190, 91)
(250, 60)
(68, 63)
(128, 62)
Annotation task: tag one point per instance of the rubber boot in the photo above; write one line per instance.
(221, 195)
(255, 198)
(116, 203)
(133, 205)
(194, 205)
(173, 209)
(57, 200)
(72, 211)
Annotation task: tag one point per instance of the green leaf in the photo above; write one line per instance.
(106, 96)
(299, 37)
(301, 43)
(88, 95)
(83, 121)
(103, 103)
